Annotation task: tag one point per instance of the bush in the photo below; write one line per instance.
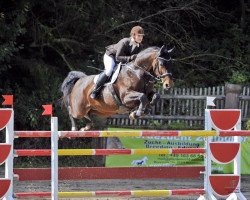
(248, 125)
(238, 78)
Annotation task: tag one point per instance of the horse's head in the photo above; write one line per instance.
(162, 67)
(158, 62)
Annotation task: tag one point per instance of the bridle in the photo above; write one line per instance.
(157, 78)
(158, 68)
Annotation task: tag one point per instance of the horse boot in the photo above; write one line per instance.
(99, 85)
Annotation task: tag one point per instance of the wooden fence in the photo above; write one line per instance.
(186, 106)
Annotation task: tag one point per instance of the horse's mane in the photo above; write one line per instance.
(145, 53)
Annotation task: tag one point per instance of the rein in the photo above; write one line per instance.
(148, 73)
(158, 78)
(164, 59)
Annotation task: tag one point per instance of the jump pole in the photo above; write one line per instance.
(208, 186)
(134, 133)
(104, 152)
(54, 129)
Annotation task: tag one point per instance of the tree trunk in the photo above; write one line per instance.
(233, 92)
(243, 14)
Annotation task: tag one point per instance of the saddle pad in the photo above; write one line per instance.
(114, 75)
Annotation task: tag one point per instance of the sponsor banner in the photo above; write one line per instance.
(174, 160)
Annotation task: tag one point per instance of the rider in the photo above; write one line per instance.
(124, 51)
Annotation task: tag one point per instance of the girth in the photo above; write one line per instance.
(122, 108)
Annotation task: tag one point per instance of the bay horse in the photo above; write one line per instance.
(132, 92)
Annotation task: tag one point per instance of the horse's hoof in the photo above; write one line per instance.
(147, 112)
(86, 128)
(133, 115)
(152, 103)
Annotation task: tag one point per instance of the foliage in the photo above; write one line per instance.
(41, 41)
(12, 25)
(248, 125)
(183, 126)
(155, 124)
(238, 78)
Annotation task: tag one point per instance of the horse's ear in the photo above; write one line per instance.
(161, 49)
(170, 50)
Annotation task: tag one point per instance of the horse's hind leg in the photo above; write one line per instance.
(73, 123)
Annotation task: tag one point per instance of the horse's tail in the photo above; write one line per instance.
(68, 84)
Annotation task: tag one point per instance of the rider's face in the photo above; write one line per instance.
(138, 38)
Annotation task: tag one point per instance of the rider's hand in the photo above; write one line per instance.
(133, 57)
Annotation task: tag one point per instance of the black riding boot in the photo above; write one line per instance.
(99, 84)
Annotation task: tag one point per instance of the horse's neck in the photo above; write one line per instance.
(144, 64)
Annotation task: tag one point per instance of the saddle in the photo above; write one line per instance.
(109, 84)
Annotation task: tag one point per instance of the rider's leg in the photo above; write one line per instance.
(99, 84)
(109, 64)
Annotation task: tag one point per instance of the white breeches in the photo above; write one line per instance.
(109, 64)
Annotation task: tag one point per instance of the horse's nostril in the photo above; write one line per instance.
(166, 86)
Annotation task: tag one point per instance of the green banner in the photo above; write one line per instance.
(174, 160)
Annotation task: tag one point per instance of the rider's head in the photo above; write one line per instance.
(137, 34)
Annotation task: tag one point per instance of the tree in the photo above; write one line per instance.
(41, 41)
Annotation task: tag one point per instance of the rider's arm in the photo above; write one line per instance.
(120, 53)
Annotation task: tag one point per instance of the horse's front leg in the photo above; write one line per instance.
(143, 104)
(154, 97)
(131, 98)
(89, 125)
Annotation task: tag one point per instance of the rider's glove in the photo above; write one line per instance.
(133, 57)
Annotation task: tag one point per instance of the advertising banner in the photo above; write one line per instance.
(175, 160)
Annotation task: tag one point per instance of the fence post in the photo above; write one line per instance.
(232, 92)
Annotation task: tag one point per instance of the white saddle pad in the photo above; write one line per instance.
(114, 75)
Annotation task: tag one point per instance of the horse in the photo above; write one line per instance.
(143, 161)
(132, 93)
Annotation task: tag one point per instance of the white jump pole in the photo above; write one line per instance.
(54, 158)
(207, 160)
(9, 161)
(237, 165)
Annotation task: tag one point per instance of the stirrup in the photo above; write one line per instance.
(94, 94)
